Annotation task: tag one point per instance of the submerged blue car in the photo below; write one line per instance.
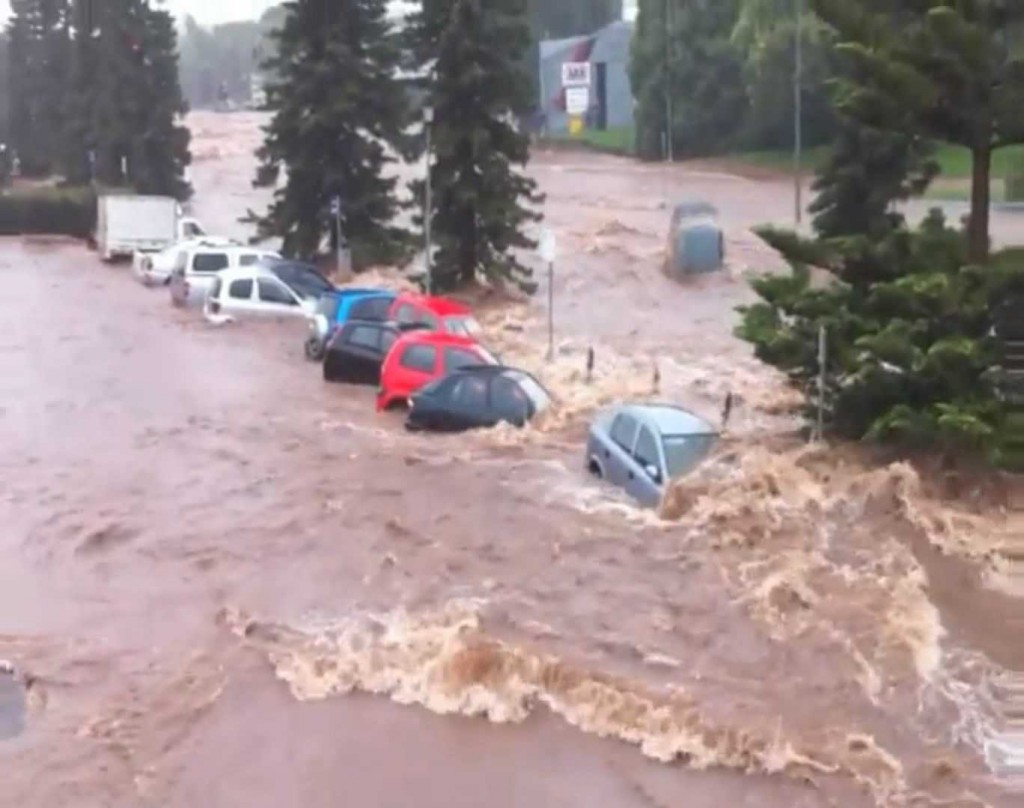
(341, 305)
(643, 447)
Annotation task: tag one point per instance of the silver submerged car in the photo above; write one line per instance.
(641, 447)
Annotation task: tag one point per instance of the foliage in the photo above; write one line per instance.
(219, 64)
(481, 200)
(95, 93)
(765, 35)
(689, 53)
(909, 331)
(337, 110)
(948, 71)
(38, 65)
(866, 171)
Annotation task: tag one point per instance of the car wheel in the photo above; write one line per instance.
(314, 349)
(594, 467)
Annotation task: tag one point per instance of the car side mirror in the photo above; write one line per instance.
(653, 473)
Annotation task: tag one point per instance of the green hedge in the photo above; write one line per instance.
(48, 211)
(1014, 185)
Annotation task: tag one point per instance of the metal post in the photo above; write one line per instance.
(428, 205)
(551, 310)
(668, 82)
(822, 363)
(338, 244)
(798, 70)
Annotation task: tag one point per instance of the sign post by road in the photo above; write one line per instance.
(547, 253)
(576, 83)
(339, 243)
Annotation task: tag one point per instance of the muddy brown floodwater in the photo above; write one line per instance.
(226, 583)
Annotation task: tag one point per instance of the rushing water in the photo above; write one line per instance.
(225, 582)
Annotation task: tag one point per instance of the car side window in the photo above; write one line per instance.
(272, 292)
(419, 357)
(455, 358)
(387, 339)
(508, 398)
(240, 289)
(623, 431)
(209, 262)
(363, 336)
(248, 259)
(646, 452)
(405, 314)
(469, 393)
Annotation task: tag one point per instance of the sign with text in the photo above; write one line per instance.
(576, 74)
(577, 99)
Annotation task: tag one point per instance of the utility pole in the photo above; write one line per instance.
(428, 203)
(668, 81)
(798, 70)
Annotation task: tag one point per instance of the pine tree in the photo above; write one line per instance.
(337, 111)
(38, 66)
(482, 201)
(124, 101)
(948, 71)
(865, 173)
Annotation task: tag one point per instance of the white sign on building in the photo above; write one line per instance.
(577, 100)
(576, 74)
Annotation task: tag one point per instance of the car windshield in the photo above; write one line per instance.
(462, 325)
(305, 281)
(684, 452)
(537, 394)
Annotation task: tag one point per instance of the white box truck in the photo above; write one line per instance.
(127, 224)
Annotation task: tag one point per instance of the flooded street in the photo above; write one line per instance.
(224, 582)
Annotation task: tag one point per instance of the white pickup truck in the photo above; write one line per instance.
(127, 224)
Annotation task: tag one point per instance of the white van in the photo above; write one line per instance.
(256, 291)
(196, 267)
(154, 269)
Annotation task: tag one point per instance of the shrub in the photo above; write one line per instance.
(910, 335)
(48, 211)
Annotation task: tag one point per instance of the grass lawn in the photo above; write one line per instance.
(617, 140)
(954, 161)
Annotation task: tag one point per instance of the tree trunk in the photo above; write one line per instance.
(468, 249)
(977, 226)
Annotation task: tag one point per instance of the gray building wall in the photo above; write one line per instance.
(610, 47)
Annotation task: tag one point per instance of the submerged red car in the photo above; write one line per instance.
(419, 357)
(436, 313)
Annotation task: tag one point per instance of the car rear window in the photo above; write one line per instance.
(419, 357)
(364, 336)
(463, 326)
(455, 358)
(209, 262)
(373, 308)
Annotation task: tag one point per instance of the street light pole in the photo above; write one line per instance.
(668, 81)
(798, 70)
(428, 210)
